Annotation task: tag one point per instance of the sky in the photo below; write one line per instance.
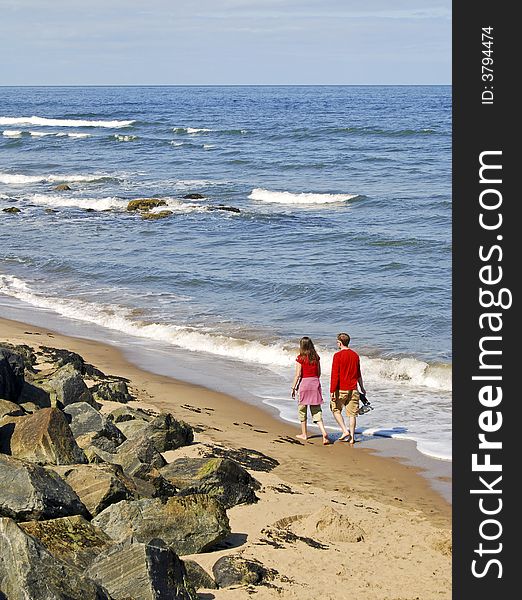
(225, 42)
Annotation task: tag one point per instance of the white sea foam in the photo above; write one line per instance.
(18, 179)
(125, 138)
(298, 198)
(45, 122)
(408, 371)
(191, 130)
(12, 133)
(58, 201)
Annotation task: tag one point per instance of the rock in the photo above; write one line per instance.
(65, 357)
(221, 478)
(25, 351)
(125, 413)
(140, 571)
(7, 426)
(168, 433)
(198, 577)
(162, 214)
(29, 407)
(193, 197)
(98, 486)
(62, 187)
(235, 570)
(66, 386)
(112, 391)
(188, 525)
(71, 539)
(12, 210)
(10, 408)
(132, 429)
(50, 211)
(145, 203)
(96, 440)
(45, 437)
(85, 419)
(31, 492)
(28, 571)
(11, 374)
(223, 207)
(138, 456)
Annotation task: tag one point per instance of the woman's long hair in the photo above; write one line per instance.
(307, 349)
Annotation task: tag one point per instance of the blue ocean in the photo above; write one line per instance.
(292, 211)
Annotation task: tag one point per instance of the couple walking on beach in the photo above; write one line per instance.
(345, 375)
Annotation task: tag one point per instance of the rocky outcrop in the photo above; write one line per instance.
(145, 204)
(111, 391)
(193, 197)
(85, 419)
(188, 525)
(11, 374)
(12, 210)
(161, 214)
(236, 570)
(98, 486)
(46, 438)
(29, 571)
(223, 207)
(70, 539)
(221, 478)
(29, 491)
(140, 571)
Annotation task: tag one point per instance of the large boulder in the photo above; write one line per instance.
(30, 492)
(142, 572)
(167, 433)
(70, 539)
(188, 525)
(11, 374)
(66, 386)
(46, 438)
(221, 478)
(198, 577)
(138, 456)
(112, 391)
(28, 571)
(98, 486)
(86, 419)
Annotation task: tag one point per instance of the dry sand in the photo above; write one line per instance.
(377, 527)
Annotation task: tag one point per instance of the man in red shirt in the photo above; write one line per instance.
(346, 374)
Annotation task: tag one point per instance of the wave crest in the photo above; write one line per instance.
(45, 122)
(298, 198)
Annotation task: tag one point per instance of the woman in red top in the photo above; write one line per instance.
(306, 379)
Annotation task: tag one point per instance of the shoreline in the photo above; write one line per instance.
(390, 474)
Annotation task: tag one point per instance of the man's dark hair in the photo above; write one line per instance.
(344, 338)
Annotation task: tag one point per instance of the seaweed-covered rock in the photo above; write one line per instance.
(112, 391)
(137, 571)
(12, 210)
(11, 374)
(29, 491)
(221, 478)
(45, 437)
(145, 203)
(29, 571)
(86, 419)
(236, 570)
(71, 539)
(98, 486)
(152, 216)
(188, 525)
(193, 197)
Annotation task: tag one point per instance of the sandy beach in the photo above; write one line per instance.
(384, 530)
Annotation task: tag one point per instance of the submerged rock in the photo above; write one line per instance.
(31, 492)
(62, 187)
(46, 438)
(193, 197)
(12, 210)
(223, 207)
(221, 478)
(141, 571)
(188, 525)
(145, 203)
(162, 214)
(29, 571)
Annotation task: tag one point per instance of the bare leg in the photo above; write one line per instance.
(339, 418)
(304, 432)
(352, 429)
(326, 441)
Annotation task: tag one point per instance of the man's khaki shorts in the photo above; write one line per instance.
(348, 399)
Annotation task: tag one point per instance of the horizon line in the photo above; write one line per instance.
(116, 85)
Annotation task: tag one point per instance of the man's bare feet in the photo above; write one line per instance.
(301, 436)
(345, 437)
